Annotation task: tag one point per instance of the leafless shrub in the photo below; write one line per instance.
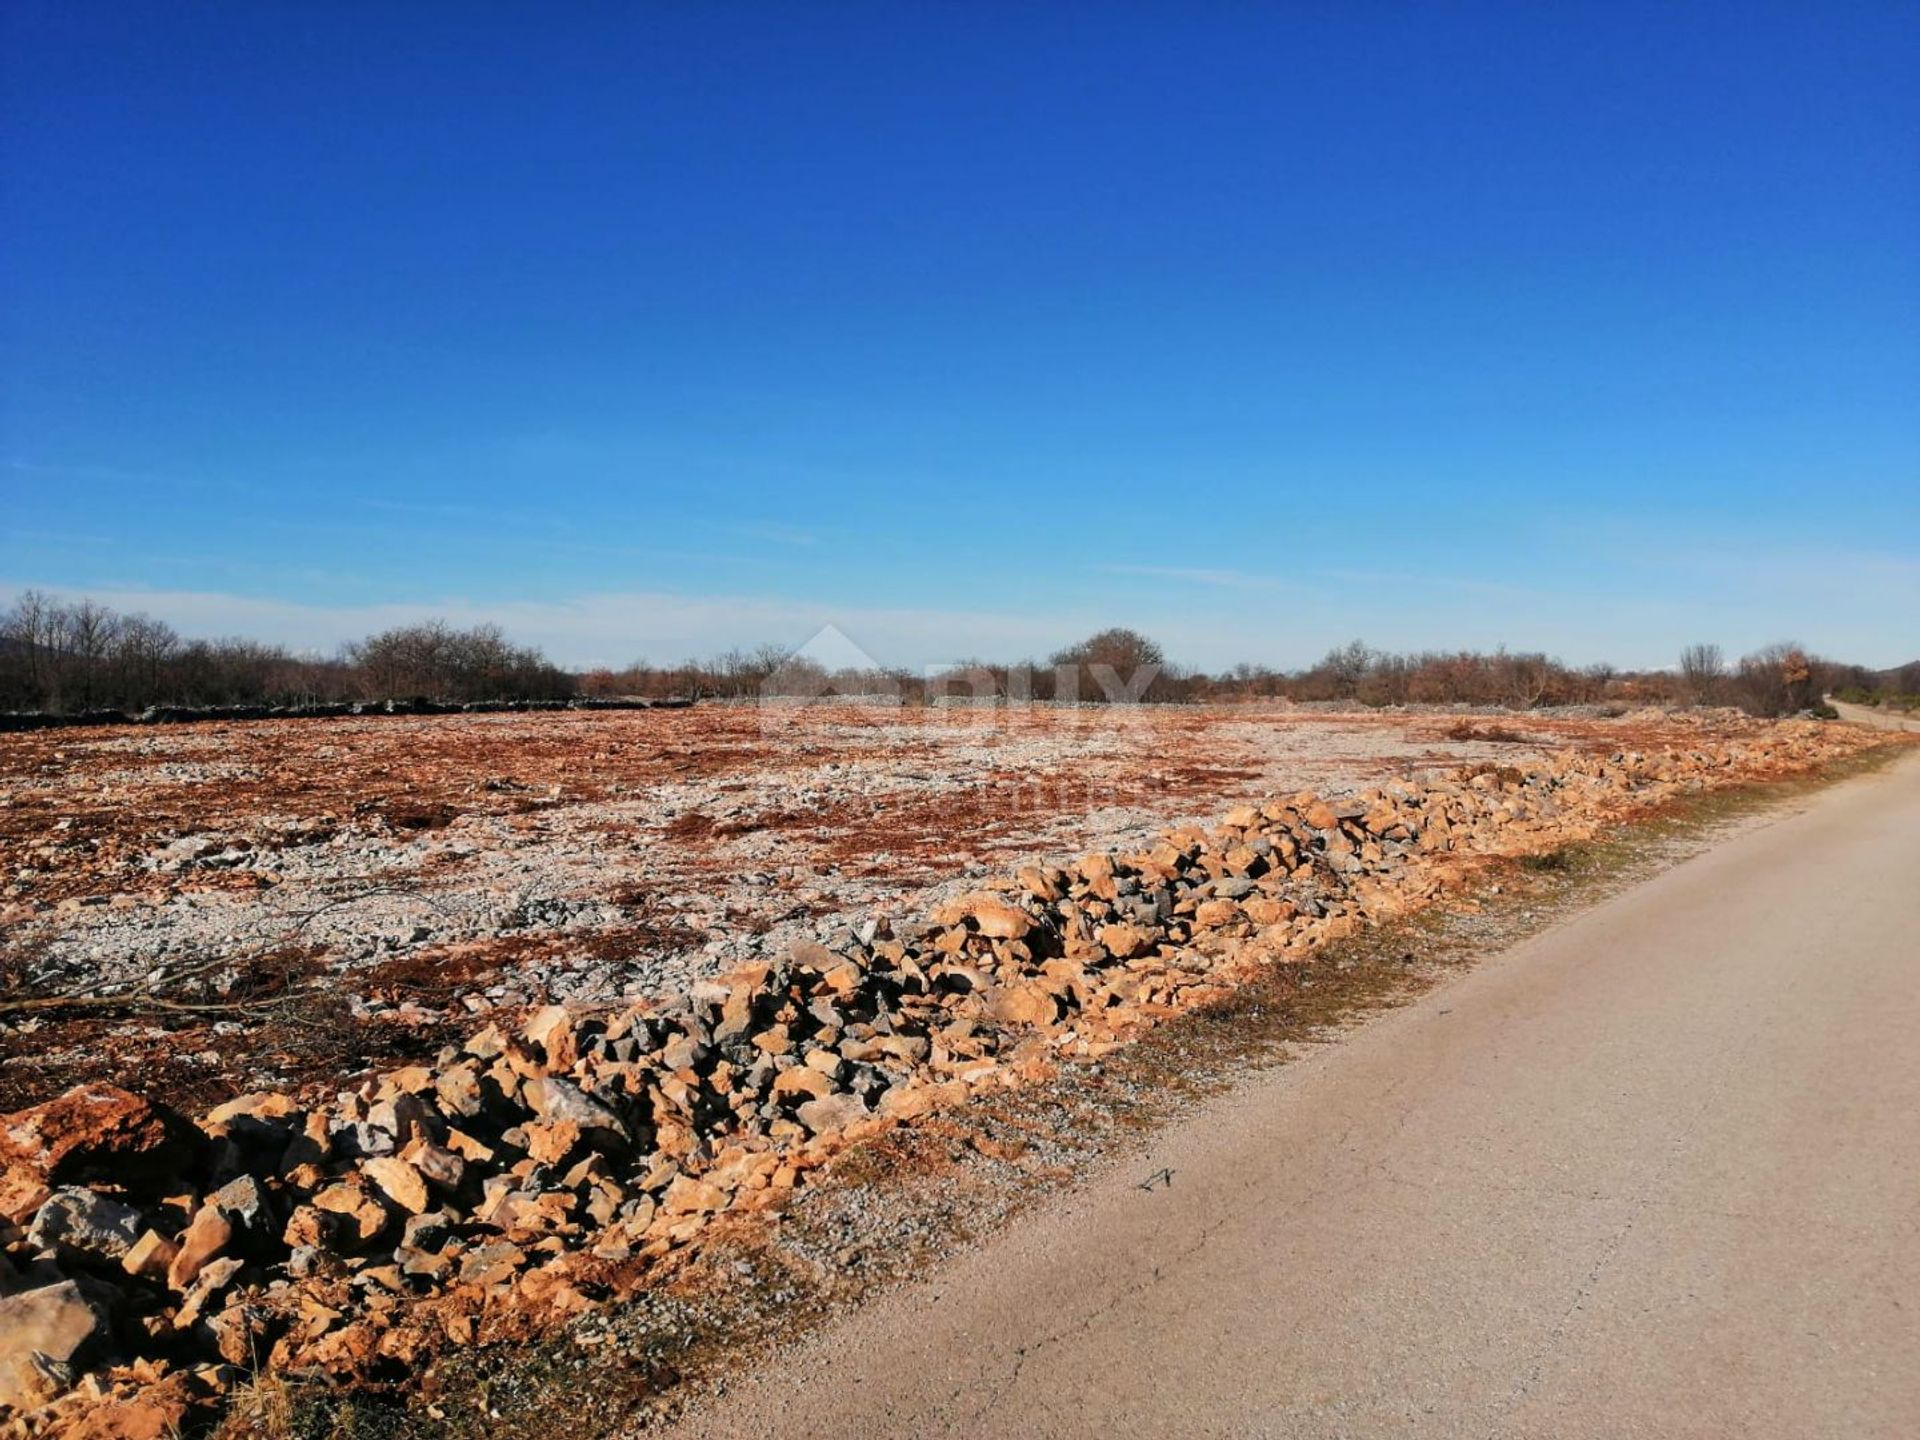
(438, 662)
(1776, 680)
(1702, 669)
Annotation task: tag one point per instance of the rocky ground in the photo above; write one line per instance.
(359, 889)
(543, 1162)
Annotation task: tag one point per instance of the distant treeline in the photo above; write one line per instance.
(77, 656)
(1777, 680)
(1113, 666)
(63, 656)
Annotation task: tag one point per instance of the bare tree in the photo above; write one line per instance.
(86, 631)
(435, 661)
(1346, 667)
(1701, 668)
(141, 649)
(1524, 679)
(26, 631)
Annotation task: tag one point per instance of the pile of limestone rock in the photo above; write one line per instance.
(151, 1262)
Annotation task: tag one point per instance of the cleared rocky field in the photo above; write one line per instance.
(655, 972)
(325, 895)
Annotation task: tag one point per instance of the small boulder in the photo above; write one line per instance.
(206, 1287)
(22, 1193)
(207, 1237)
(400, 1182)
(362, 1217)
(263, 1117)
(82, 1224)
(801, 1080)
(1022, 1004)
(552, 1030)
(555, 1099)
(45, 1335)
(998, 920)
(97, 1132)
(150, 1256)
(832, 1112)
(687, 1196)
(244, 1204)
(459, 1093)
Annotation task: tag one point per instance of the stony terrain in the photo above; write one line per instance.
(359, 889)
(540, 1164)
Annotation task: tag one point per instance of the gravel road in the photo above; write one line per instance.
(1650, 1173)
(1874, 719)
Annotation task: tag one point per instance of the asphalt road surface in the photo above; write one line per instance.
(1655, 1172)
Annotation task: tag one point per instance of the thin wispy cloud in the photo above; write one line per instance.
(436, 510)
(782, 534)
(59, 471)
(58, 537)
(1200, 575)
(1416, 580)
(88, 474)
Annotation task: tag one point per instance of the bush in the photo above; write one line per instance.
(436, 662)
(1114, 666)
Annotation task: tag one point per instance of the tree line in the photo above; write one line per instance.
(78, 655)
(75, 656)
(1114, 666)
(1775, 680)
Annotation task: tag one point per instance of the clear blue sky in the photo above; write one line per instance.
(650, 329)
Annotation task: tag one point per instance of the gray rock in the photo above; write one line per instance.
(242, 1202)
(831, 1112)
(459, 1093)
(83, 1223)
(303, 1261)
(429, 1232)
(404, 1116)
(556, 1099)
(361, 1140)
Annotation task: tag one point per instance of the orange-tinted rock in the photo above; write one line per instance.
(55, 1321)
(96, 1132)
(687, 1196)
(1125, 940)
(209, 1234)
(400, 1182)
(1025, 1004)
